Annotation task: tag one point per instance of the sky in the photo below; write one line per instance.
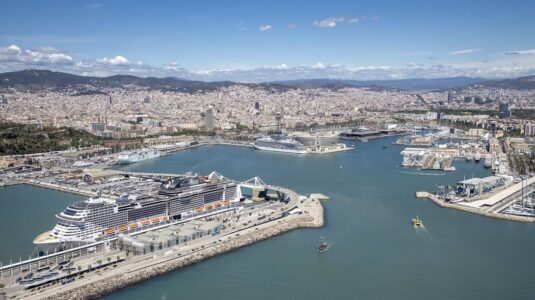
(253, 41)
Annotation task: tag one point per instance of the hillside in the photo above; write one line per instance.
(29, 138)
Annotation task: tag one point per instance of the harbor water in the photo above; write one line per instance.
(25, 212)
(375, 252)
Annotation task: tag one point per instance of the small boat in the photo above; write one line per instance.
(384, 146)
(417, 222)
(323, 245)
(469, 157)
(477, 157)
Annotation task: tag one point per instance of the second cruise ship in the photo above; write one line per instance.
(280, 143)
(135, 156)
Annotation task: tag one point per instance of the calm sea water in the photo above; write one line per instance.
(375, 252)
(25, 212)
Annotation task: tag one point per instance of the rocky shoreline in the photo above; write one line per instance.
(110, 284)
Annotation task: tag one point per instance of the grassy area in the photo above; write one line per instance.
(29, 138)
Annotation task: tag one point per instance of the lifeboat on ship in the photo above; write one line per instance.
(109, 231)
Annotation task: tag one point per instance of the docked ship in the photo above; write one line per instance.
(135, 156)
(100, 218)
(280, 143)
(488, 161)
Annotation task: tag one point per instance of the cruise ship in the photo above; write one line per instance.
(280, 143)
(135, 156)
(100, 218)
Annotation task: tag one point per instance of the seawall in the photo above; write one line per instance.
(473, 209)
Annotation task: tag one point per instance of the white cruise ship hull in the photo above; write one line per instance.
(125, 159)
(280, 150)
(49, 244)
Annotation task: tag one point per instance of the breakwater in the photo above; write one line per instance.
(474, 210)
(113, 283)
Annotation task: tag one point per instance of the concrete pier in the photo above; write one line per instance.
(486, 213)
(156, 265)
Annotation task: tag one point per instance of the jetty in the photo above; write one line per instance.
(493, 205)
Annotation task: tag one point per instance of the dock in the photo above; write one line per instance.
(106, 266)
(490, 207)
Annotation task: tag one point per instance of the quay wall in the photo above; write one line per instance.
(110, 284)
(473, 209)
(61, 188)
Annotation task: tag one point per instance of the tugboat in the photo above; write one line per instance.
(417, 222)
(323, 245)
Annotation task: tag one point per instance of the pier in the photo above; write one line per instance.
(105, 266)
(492, 205)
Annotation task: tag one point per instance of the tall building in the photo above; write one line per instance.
(146, 99)
(450, 97)
(504, 111)
(493, 127)
(98, 126)
(257, 105)
(209, 122)
(529, 129)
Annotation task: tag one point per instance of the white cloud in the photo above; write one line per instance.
(464, 51)
(329, 22)
(117, 60)
(354, 20)
(93, 5)
(39, 56)
(292, 26)
(265, 27)
(505, 64)
(13, 49)
(520, 52)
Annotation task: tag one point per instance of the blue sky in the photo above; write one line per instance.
(256, 41)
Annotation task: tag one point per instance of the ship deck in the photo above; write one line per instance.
(44, 237)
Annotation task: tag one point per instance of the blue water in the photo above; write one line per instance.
(26, 212)
(375, 252)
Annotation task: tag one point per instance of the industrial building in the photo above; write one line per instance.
(479, 186)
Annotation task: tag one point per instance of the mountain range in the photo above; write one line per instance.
(38, 79)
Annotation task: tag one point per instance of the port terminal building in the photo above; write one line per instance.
(168, 237)
(479, 186)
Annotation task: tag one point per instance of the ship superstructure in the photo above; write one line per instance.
(280, 143)
(135, 156)
(100, 218)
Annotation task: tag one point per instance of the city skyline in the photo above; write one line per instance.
(247, 42)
